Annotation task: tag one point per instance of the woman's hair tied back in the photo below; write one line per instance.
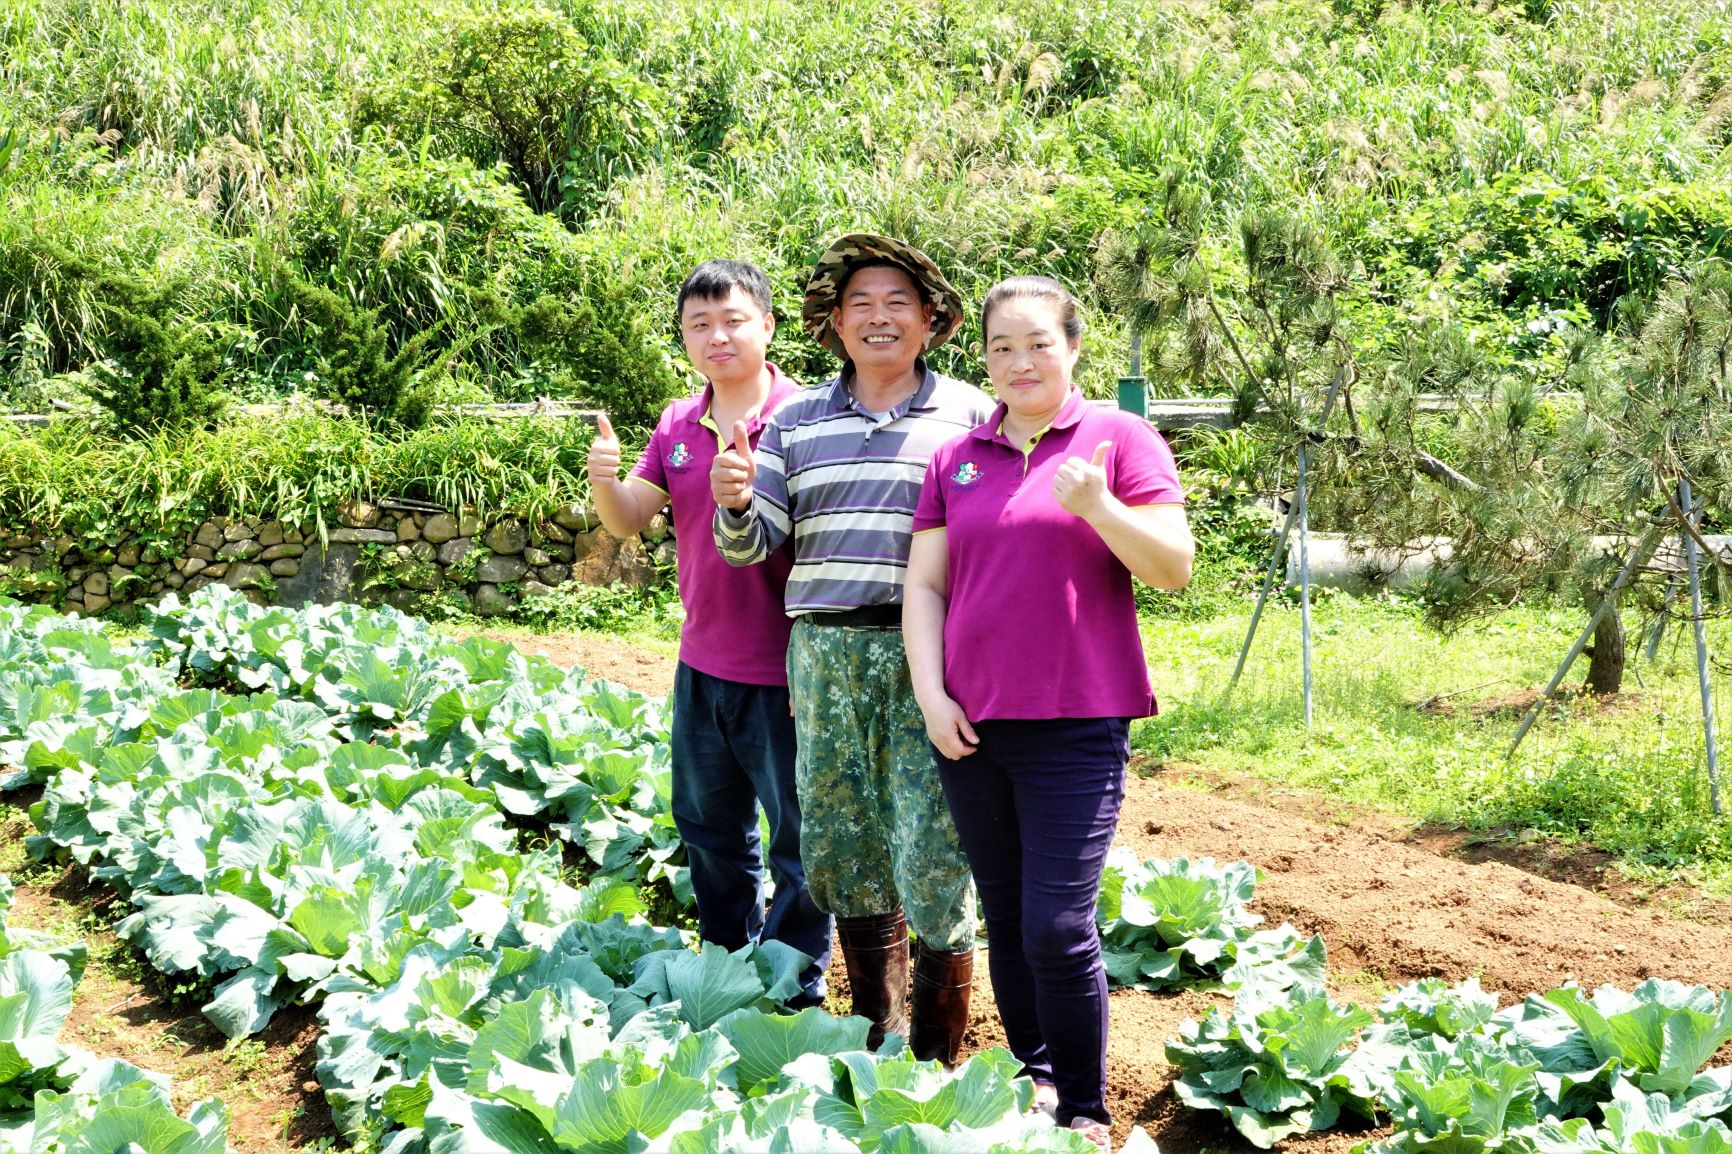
(1042, 288)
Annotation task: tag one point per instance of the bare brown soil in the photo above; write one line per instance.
(612, 658)
(1528, 850)
(1392, 902)
(123, 1009)
(1516, 702)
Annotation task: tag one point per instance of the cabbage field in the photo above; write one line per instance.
(454, 852)
(338, 807)
(55, 1098)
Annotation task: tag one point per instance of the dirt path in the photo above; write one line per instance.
(599, 656)
(1393, 904)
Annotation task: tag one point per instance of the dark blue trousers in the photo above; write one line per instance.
(733, 750)
(1036, 806)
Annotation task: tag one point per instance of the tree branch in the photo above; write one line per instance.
(1233, 342)
(1709, 553)
(1438, 471)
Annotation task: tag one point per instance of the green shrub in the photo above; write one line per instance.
(157, 369)
(615, 608)
(1531, 244)
(353, 359)
(518, 85)
(159, 374)
(599, 348)
(81, 246)
(297, 467)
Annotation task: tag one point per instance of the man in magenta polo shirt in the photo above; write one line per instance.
(733, 733)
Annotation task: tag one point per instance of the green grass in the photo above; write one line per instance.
(178, 140)
(646, 619)
(15, 826)
(1631, 779)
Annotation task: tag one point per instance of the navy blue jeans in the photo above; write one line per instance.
(733, 750)
(1036, 806)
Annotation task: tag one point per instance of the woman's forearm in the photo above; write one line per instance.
(923, 610)
(925, 601)
(1153, 542)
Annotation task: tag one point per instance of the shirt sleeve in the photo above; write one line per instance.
(929, 512)
(752, 534)
(1143, 469)
(651, 464)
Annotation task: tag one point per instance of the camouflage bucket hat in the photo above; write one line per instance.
(858, 248)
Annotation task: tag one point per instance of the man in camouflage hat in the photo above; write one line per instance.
(840, 469)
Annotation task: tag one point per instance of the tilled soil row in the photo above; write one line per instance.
(1390, 912)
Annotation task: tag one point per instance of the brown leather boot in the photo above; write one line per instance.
(875, 950)
(943, 981)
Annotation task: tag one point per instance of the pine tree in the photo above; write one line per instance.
(1555, 479)
(1541, 475)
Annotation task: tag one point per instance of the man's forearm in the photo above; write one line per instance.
(625, 507)
(740, 535)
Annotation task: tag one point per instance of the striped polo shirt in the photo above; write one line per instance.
(845, 482)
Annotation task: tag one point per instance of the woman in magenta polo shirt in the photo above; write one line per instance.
(1022, 639)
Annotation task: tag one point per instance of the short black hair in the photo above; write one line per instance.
(715, 279)
(920, 291)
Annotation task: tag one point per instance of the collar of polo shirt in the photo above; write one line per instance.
(1069, 414)
(842, 397)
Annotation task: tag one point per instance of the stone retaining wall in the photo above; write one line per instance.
(408, 558)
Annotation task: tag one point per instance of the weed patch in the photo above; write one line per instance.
(1627, 776)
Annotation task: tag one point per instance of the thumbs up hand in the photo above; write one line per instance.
(1081, 486)
(604, 452)
(734, 471)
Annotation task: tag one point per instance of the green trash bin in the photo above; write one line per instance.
(1134, 395)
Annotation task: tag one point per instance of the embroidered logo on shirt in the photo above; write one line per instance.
(966, 474)
(680, 456)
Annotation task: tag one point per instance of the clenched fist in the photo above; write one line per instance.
(733, 472)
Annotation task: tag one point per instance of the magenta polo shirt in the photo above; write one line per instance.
(1042, 622)
(736, 623)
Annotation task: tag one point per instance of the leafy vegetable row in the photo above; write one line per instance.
(1562, 1072)
(340, 835)
(57, 1099)
(334, 812)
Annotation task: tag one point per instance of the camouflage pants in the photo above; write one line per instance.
(876, 834)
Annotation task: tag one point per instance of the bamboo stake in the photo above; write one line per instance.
(1304, 583)
(1294, 512)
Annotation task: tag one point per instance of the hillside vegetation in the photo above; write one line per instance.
(393, 204)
